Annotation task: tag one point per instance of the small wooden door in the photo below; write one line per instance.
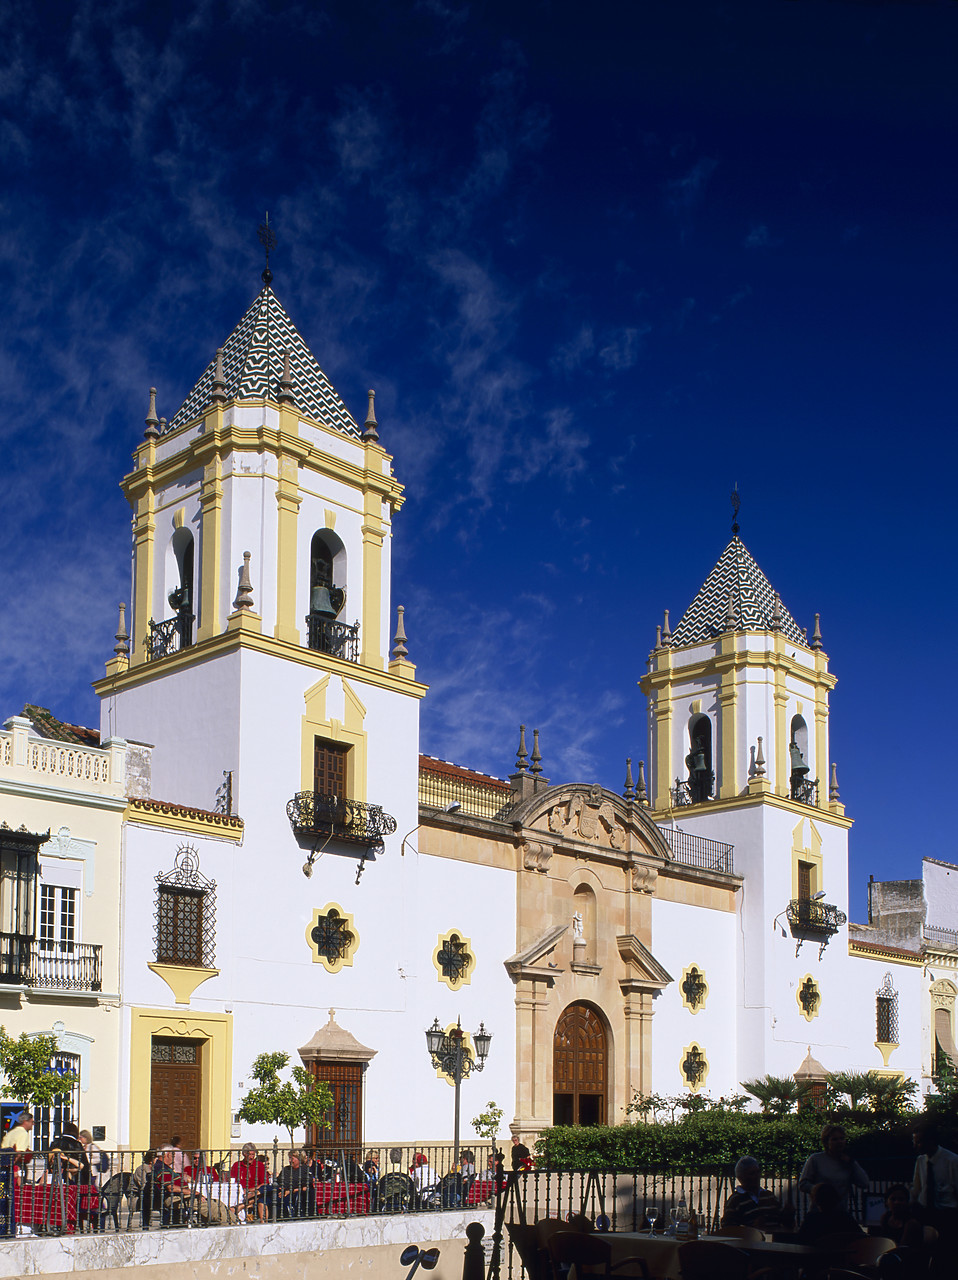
(175, 1090)
(580, 1067)
(329, 767)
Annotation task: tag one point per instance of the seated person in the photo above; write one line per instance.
(293, 1192)
(467, 1162)
(900, 1221)
(751, 1204)
(826, 1217)
(199, 1170)
(422, 1175)
(251, 1175)
(169, 1193)
(73, 1164)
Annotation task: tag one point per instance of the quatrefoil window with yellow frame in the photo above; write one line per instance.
(694, 989)
(332, 937)
(454, 960)
(809, 998)
(694, 1067)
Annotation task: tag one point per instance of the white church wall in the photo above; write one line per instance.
(941, 892)
(683, 935)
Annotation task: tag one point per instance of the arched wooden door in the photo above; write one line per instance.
(580, 1067)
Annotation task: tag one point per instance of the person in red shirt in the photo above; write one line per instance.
(252, 1175)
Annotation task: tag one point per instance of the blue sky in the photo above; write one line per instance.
(600, 262)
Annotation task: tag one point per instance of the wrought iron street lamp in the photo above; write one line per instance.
(453, 1058)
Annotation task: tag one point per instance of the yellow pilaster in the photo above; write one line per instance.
(288, 500)
(144, 534)
(728, 723)
(373, 537)
(782, 763)
(211, 516)
(821, 744)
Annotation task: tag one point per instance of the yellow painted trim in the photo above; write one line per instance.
(821, 746)
(810, 852)
(171, 817)
(182, 979)
(144, 548)
(373, 537)
(230, 641)
(672, 672)
(661, 772)
(886, 957)
(466, 978)
(288, 501)
(216, 1032)
(728, 736)
(886, 1049)
(798, 998)
(694, 1088)
(211, 542)
(316, 724)
(333, 966)
(697, 1008)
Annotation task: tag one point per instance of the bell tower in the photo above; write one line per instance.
(262, 520)
(738, 696)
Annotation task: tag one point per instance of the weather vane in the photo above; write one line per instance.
(736, 503)
(267, 238)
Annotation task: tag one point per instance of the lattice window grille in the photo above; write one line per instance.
(186, 913)
(332, 936)
(454, 959)
(809, 997)
(694, 1066)
(694, 987)
(886, 1012)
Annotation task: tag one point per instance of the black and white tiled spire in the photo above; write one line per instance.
(736, 590)
(253, 369)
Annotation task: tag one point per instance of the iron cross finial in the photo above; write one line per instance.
(736, 503)
(267, 238)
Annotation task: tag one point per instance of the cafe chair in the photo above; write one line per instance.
(524, 1239)
(546, 1228)
(865, 1251)
(713, 1260)
(591, 1256)
(748, 1235)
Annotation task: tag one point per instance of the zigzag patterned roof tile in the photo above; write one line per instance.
(253, 367)
(753, 601)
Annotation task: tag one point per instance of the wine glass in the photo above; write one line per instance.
(651, 1213)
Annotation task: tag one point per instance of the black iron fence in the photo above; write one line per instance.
(338, 639)
(699, 851)
(53, 966)
(312, 813)
(60, 1192)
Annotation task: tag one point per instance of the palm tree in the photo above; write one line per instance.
(890, 1095)
(854, 1085)
(778, 1095)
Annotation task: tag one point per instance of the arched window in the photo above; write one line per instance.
(886, 1012)
(327, 598)
(699, 759)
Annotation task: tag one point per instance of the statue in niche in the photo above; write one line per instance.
(577, 927)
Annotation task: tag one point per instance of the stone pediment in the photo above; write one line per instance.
(527, 963)
(643, 971)
(587, 815)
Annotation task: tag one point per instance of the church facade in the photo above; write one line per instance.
(290, 873)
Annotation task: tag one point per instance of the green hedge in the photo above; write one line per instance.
(716, 1138)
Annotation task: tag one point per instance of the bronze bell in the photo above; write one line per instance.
(695, 760)
(797, 760)
(325, 602)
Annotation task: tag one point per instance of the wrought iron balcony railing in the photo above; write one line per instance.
(57, 966)
(804, 791)
(820, 919)
(312, 814)
(681, 794)
(325, 635)
(169, 636)
(699, 851)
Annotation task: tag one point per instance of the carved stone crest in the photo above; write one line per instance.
(588, 818)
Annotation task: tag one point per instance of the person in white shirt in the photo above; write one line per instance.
(935, 1186)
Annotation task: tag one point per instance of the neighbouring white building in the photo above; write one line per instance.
(270, 846)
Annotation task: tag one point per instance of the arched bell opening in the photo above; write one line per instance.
(580, 1067)
(699, 759)
(327, 598)
(798, 758)
(182, 591)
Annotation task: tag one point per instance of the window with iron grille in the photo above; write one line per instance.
(185, 913)
(886, 1012)
(332, 937)
(694, 988)
(49, 1121)
(454, 960)
(809, 998)
(694, 1067)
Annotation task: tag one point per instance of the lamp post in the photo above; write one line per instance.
(449, 1055)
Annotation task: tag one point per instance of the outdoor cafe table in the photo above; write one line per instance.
(43, 1205)
(661, 1252)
